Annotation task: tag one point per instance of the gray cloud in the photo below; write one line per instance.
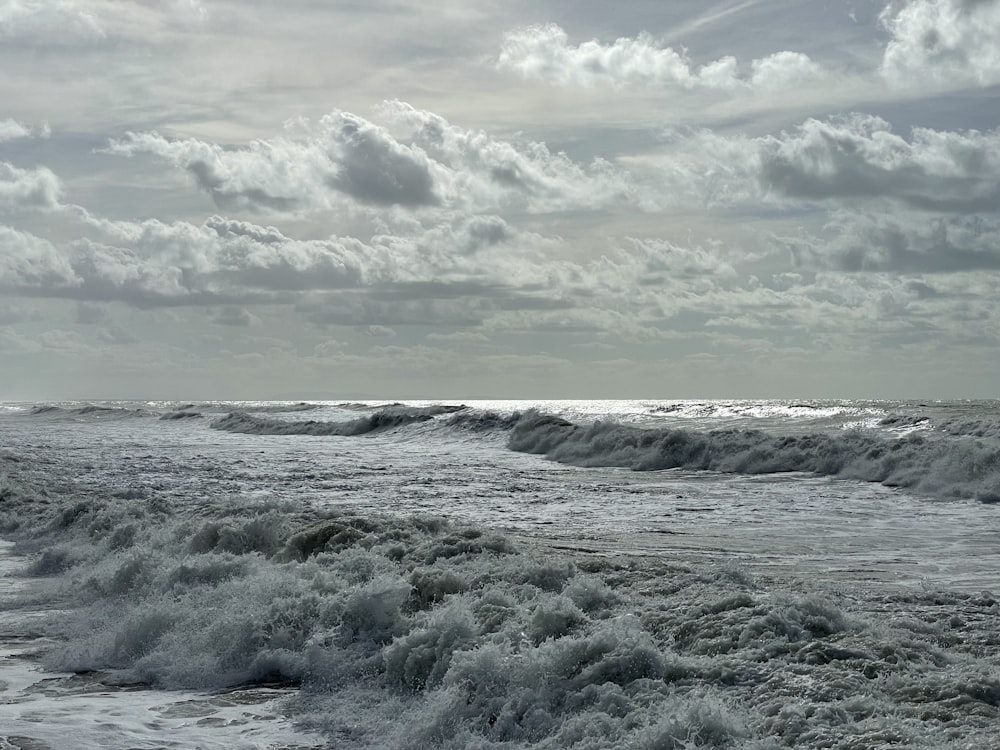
(375, 168)
(235, 316)
(10, 314)
(904, 243)
(67, 23)
(87, 314)
(860, 158)
(851, 159)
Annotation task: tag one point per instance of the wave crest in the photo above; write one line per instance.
(384, 419)
(940, 467)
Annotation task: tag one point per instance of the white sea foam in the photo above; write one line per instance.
(615, 613)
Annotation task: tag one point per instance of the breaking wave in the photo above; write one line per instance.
(416, 633)
(933, 466)
(385, 419)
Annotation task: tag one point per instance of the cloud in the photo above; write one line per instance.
(87, 314)
(9, 314)
(152, 263)
(68, 23)
(28, 188)
(329, 348)
(11, 129)
(374, 168)
(116, 335)
(859, 158)
(55, 21)
(544, 52)
(905, 243)
(378, 332)
(943, 42)
(30, 262)
(437, 165)
(480, 172)
(235, 316)
(851, 159)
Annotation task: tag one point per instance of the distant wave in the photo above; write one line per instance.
(941, 467)
(180, 414)
(384, 419)
(279, 408)
(89, 410)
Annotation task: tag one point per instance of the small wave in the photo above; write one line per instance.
(381, 420)
(939, 467)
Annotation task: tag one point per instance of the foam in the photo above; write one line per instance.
(403, 631)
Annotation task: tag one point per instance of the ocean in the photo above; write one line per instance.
(544, 574)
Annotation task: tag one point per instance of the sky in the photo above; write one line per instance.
(212, 199)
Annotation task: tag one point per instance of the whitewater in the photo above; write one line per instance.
(544, 574)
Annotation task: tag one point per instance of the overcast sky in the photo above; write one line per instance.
(499, 199)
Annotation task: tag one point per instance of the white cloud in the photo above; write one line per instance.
(437, 165)
(942, 42)
(480, 172)
(11, 129)
(544, 52)
(153, 263)
(28, 188)
(32, 262)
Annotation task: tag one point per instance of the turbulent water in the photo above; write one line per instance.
(588, 575)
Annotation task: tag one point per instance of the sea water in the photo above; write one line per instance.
(647, 574)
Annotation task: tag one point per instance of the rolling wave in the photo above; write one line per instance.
(940, 467)
(384, 419)
(90, 411)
